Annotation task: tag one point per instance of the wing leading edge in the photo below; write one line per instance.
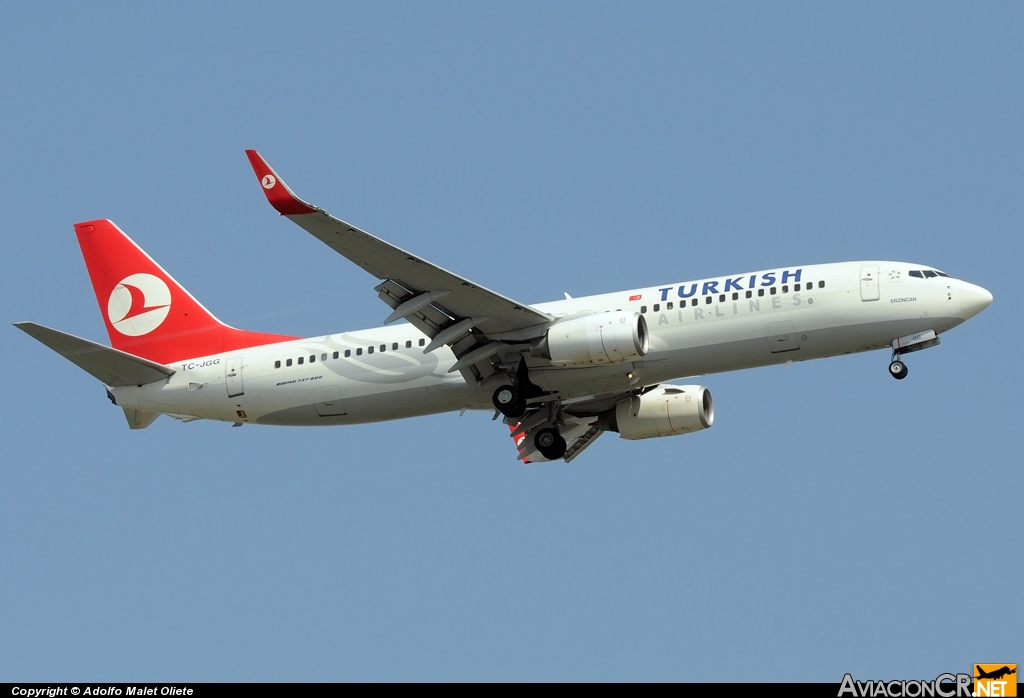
(446, 307)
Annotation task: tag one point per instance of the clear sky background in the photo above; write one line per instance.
(833, 520)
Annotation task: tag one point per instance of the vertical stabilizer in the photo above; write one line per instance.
(147, 313)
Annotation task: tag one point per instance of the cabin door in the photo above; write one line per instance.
(233, 376)
(869, 282)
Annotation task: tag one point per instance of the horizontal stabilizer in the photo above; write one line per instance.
(110, 366)
(139, 419)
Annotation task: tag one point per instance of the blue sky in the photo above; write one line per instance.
(833, 520)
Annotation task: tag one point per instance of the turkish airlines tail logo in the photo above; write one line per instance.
(138, 304)
(136, 297)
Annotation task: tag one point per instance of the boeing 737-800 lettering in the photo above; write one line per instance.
(560, 373)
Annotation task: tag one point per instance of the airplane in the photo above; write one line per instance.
(559, 373)
(995, 674)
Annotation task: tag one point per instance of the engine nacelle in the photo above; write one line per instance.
(667, 410)
(595, 340)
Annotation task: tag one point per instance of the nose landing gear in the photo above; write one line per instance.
(898, 369)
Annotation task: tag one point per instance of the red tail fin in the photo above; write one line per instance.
(147, 313)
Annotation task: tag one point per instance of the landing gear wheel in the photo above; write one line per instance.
(550, 443)
(509, 401)
(898, 370)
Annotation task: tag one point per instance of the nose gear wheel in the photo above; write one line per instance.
(898, 370)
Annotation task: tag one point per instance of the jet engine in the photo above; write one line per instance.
(594, 340)
(667, 410)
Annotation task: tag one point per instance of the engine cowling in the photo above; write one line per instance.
(668, 410)
(595, 340)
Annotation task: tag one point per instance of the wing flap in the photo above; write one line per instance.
(110, 366)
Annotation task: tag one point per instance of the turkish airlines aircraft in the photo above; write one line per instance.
(561, 373)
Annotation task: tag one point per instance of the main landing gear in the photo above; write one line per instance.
(510, 399)
(550, 443)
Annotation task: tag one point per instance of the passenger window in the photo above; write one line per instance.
(657, 307)
(277, 364)
(929, 274)
(785, 289)
(394, 346)
(735, 296)
(369, 350)
(408, 344)
(422, 342)
(288, 362)
(359, 351)
(323, 357)
(796, 288)
(773, 290)
(312, 358)
(693, 302)
(348, 353)
(709, 300)
(335, 355)
(749, 294)
(721, 298)
(760, 292)
(821, 284)
(300, 361)
(669, 306)
(643, 308)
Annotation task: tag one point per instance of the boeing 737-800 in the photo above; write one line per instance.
(560, 373)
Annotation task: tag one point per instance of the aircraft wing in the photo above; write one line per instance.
(431, 298)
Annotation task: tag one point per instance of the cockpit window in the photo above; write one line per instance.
(942, 273)
(916, 273)
(929, 274)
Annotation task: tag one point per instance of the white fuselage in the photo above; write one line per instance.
(791, 314)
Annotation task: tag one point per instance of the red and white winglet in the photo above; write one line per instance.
(278, 194)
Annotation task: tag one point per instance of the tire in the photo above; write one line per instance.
(508, 400)
(898, 370)
(550, 443)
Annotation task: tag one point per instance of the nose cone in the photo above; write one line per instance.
(973, 299)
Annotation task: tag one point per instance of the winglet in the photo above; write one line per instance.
(278, 194)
